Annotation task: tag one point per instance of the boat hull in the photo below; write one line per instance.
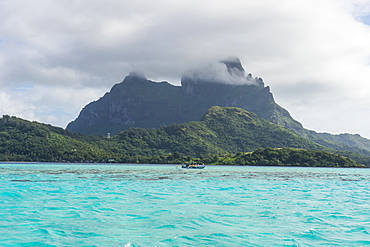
(193, 166)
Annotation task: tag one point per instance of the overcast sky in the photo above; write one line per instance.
(57, 56)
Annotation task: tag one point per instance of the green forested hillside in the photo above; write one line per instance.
(289, 157)
(349, 140)
(22, 140)
(222, 132)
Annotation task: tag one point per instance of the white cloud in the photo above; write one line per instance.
(218, 72)
(54, 105)
(314, 54)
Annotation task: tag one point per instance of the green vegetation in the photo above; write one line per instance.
(289, 157)
(223, 136)
(22, 140)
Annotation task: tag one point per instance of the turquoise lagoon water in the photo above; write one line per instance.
(162, 205)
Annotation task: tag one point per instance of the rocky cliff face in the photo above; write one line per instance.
(139, 102)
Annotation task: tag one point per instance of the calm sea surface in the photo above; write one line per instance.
(162, 205)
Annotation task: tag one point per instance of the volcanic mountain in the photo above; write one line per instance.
(139, 102)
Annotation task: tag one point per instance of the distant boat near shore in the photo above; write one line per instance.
(193, 166)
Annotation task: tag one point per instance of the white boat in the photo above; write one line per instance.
(193, 166)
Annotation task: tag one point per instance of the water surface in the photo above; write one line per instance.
(163, 205)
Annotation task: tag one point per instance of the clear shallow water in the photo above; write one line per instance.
(146, 205)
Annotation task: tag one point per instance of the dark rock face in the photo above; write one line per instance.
(138, 102)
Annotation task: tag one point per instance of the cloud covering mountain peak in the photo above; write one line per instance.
(226, 71)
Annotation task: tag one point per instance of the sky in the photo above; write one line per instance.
(57, 56)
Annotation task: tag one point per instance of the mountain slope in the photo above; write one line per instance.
(221, 130)
(22, 140)
(348, 139)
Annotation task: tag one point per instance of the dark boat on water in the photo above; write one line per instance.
(193, 166)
